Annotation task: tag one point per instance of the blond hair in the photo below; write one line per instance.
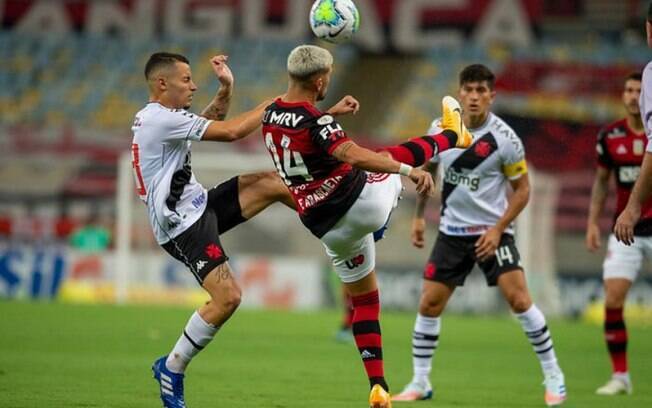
(306, 60)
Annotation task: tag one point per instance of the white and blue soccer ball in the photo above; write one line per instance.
(334, 20)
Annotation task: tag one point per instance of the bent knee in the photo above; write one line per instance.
(519, 302)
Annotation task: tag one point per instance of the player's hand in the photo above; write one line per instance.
(345, 106)
(593, 237)
(486, 246)
(624, 228)
(222, 71)
(418, 231)
(424, 181)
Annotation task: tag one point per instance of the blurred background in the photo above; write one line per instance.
(71, 80)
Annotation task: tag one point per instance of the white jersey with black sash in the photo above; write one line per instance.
(474, 181)
(161, 164)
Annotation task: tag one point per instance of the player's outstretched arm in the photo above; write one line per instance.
(624, 228)
(486, 246)
(219, 106)
(599, 193)
(237, 128)
(365, 159)
(419, 221)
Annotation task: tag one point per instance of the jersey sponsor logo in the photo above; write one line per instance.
(472, 230)
(628, 174)
(331, 131)
(355, 261)
(286, 119)
(462, 179)
(319, 194)
(197, 129)
(213, 251)
(198, 201)
(616, 133)
(325, 120)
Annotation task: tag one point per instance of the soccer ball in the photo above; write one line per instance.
(334, 20)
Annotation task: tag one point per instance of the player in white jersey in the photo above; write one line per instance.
(642, 190)
(187, 220)
(476, 228)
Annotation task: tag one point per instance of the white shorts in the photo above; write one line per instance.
(350, 243)
(624, 261)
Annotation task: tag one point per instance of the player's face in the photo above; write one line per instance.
(631, 94)
(179, 86)
(322, 84)
(476, 98)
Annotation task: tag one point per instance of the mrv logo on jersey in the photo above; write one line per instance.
(461, 179)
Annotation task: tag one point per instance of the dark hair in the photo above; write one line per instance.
(634, 76)
(649, 13)
(161, 59)
(477, 73)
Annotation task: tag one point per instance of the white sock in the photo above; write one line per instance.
(536, 330)
(194, 338)
(425, 340)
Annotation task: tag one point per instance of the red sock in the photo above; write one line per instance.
(615, 333)
(348, 313)
(419, 150)
(366, 330)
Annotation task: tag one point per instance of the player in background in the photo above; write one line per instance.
(187, 220)
(476, 228)
(642, 190)
(337, 200)
(620, 148)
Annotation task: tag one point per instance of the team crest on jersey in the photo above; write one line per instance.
(325, 120)
(638, 147)
(285, 142)
(482, 148)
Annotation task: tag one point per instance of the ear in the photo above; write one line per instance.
(161, 83)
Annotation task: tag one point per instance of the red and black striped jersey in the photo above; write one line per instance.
(621, 150)
(301, 140)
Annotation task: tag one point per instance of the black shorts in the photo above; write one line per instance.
(199, 246)
(453, 258)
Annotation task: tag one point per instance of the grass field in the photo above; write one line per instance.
(56, 355)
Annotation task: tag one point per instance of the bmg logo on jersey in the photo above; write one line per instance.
(462, 179)
(355, 262)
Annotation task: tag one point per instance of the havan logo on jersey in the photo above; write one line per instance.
(469, 180)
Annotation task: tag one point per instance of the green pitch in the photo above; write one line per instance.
(54, 355)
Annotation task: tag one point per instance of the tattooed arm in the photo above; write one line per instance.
(219, 106)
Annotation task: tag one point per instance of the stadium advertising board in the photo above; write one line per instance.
(404, 26)
(56, 272)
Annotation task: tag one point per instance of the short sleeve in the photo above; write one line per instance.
(603, 156)
(182, 125)
(326, 133)
(435, 129)
(645, 103)
(513, 156)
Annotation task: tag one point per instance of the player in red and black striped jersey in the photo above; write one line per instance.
(342, 205)
(621, 147)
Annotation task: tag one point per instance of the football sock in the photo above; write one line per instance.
(366, 331)
(534, 326)
(194, 338)
(425, 340)
(615, 334)
(419, 150)
(348, 313)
